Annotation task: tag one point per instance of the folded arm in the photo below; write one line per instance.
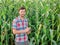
(18, 31)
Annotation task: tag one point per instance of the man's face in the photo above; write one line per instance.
(22, 12)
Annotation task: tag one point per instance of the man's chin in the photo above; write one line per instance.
(22, 16)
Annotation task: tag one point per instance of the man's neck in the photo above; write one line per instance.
(22, 18)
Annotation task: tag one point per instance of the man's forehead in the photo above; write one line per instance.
(22, 10)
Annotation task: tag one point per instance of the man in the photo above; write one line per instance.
(20, 28)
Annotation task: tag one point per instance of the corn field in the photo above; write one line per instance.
(44, 20)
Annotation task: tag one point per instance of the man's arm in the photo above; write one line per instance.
(20, 31)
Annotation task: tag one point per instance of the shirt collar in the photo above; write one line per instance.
(19, 18)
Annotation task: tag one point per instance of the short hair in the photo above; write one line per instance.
(22, 8)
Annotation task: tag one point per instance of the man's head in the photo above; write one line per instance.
(22, 11)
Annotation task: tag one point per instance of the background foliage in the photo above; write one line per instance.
(44, 19)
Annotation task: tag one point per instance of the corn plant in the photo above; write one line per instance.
(43, 16)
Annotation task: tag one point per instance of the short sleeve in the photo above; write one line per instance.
(14, 24)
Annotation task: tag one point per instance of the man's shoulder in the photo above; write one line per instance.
(26, 19)
(15, 19)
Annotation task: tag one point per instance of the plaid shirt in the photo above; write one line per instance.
(19, 24)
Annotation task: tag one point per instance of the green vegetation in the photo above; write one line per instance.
(44, 19)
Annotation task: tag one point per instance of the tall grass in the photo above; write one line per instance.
(44, 19)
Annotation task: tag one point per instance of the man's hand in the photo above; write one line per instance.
(27, 29)
(28, 32)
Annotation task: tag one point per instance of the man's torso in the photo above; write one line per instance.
(21, 25)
